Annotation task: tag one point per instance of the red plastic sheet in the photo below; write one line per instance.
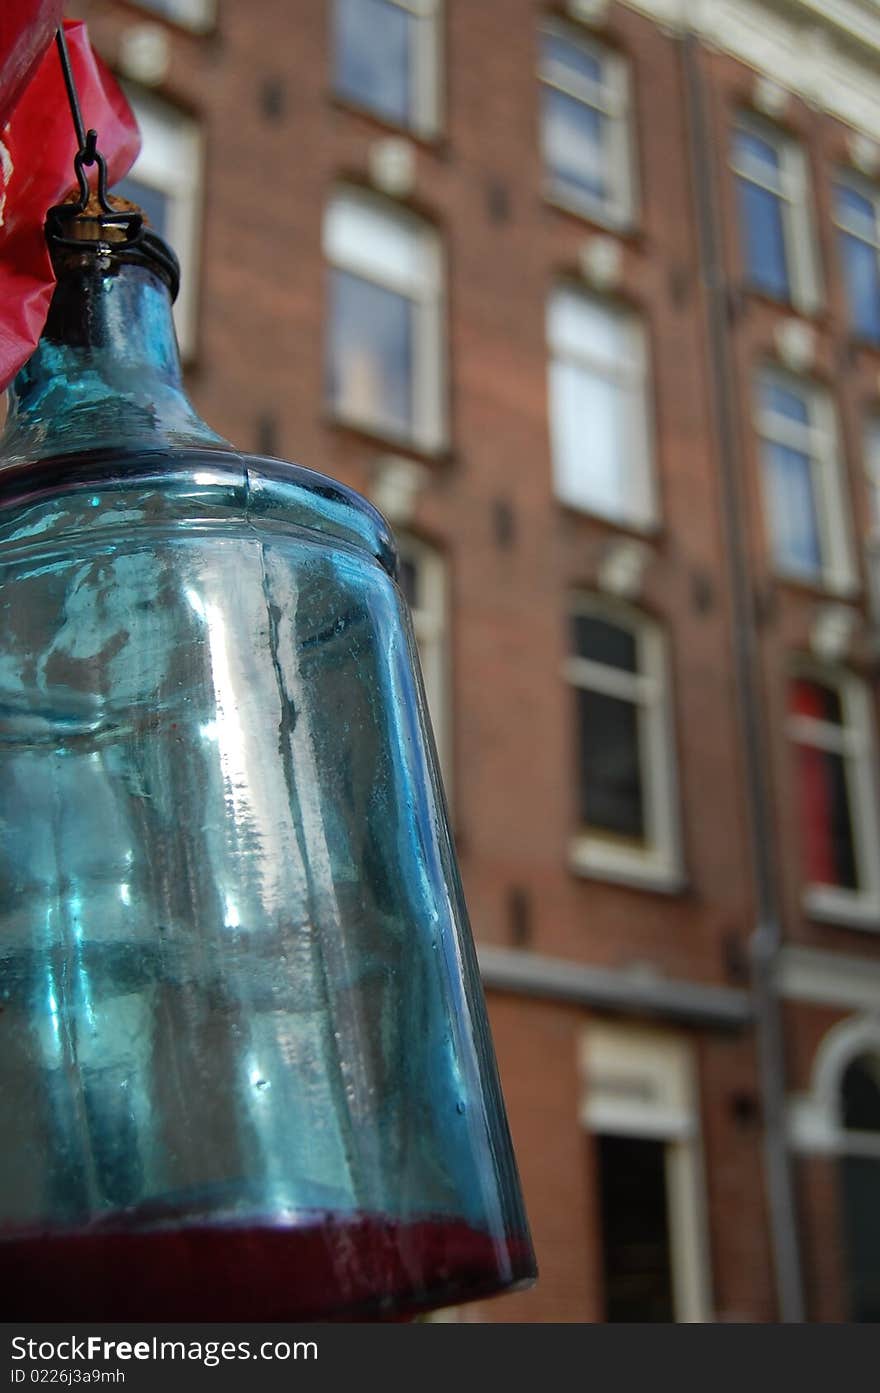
(27, 27)
(37, 147)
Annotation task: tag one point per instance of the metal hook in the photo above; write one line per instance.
(136, 239)
(88, 152)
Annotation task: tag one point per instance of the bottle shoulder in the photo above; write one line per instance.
(57, 497)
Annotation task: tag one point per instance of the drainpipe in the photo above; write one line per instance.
(766, 940)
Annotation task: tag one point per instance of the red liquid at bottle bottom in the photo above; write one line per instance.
(342, 1268)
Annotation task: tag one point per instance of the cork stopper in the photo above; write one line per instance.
(72, 234)
(88, 226)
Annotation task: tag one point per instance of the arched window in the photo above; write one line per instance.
(860, 1094)
(586, 131)
(831, 729)
(803, 476)
(775, 206)
(840, 1118)
(600, 428)
(385, 334)
(627, 795)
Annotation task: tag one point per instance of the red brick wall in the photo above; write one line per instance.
(260, 349)
(824, 1258)
(787, 610)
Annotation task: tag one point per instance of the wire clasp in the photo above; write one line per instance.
(87, 155)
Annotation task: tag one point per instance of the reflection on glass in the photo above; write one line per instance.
(371, 343)
(566, 62)
(785, 401)
(860, 248)
(604, 642)
(573, 136)
(598, 408)
(796, 541)
(245, 1066)
(823, 789)
(761, 209)
(590, 425)
(610, 765)
(789, 468)
(373, 63)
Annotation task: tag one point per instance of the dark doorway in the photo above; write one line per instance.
(860, 1188)
(860, 1185)
(636, 1251)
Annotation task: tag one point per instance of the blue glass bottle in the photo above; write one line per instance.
(245, 1068)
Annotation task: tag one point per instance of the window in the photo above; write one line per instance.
(423, 582)
(871, 446)
(599, 427)
(773, 188)
(165, 181)
(830, 726)
(872, 466)
(585, 126)
(385, 360)
(840, 1117)
(803, 483)
(192, 14)
(640, 1104)
(855, 212)
(387, 59)
(628, 811)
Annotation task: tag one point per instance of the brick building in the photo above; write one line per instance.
(586, 297)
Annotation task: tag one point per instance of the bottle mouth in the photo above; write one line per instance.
(118, 232)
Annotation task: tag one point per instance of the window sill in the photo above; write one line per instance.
(820, 589)
(593, 860)
(651, 529)
(603, 219)
(440, 453)
(433, 141)
(843, 908)
(811, 311)
(862, 344)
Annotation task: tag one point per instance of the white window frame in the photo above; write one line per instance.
(630, 372)
(795, 195)
(815, 1118)
(430, 626)
(171, 161)
(641, 1082)
(423, 287)
(871, 447)
(656, 865)
(862, 186)
(426, 63)
(198, 15)
(820, 441)
(854, 739)
(610, 97)
(871, 457)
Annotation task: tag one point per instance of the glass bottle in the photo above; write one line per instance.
(245, 1070)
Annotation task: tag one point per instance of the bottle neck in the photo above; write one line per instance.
(106, 372)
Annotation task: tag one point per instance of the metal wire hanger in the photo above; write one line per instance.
(88, 153)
